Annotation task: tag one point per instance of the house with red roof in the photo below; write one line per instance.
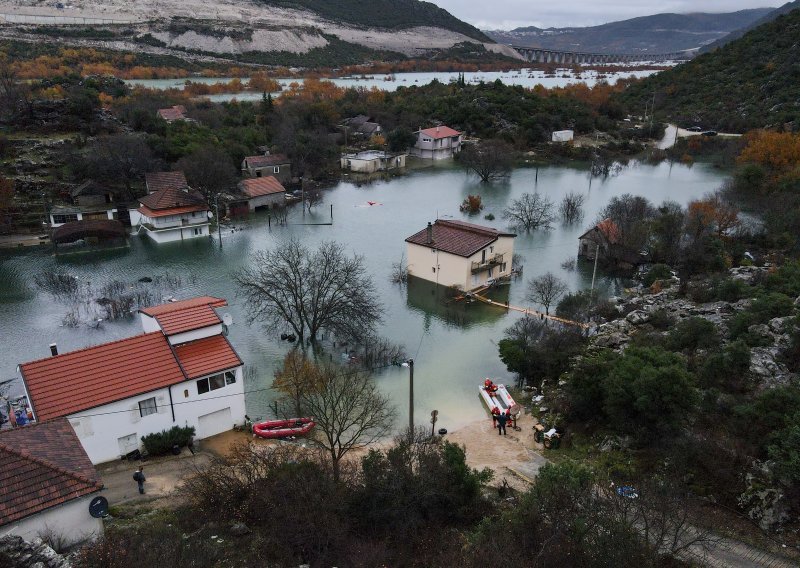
(276, 165)
(437, 143)
(182, 371)
(459, 254)
(172, 214)
(173, 113)
(156, 181)
(255, 193)
(47, 483)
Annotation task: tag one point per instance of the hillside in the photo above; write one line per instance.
(660, 33)
(304, 33)
(736, 34)
(750, 83)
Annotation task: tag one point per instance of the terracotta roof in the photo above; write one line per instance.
(156, 181)
(41, 466)
(177, 112)
(256, 187)
(80, 380)
(181, 305)
(172, 201)
(607, 228)
(440, 132)
(457, 237)
(91, 187)
(207, 356)
(266, 161)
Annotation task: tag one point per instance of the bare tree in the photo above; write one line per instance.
(530, 212)
(210, 170)
(631, 216)
(313, 198)
(489, 159)
(349, 411)
(310, 292)
(15, 95)
(116, 157)
(571, 208)
(400, 271)
(546, 290)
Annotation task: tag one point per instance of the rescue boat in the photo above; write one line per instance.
(283, 428)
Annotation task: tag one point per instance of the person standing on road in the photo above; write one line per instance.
(495, 414)
(139, 478)
(501, 424)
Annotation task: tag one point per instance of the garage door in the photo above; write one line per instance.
(214, 423)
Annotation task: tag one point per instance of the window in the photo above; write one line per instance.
(65, 218)
(198, 230)
(491, 249)
(276, 170)
(147, 407)
(433, 268)
(215, 382)
(258, 173)
(483, 256)
(503, 267)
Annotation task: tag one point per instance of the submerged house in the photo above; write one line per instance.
(172, 214)
(276, 165)
(438, 143)
(182, 371)
(260, 192)
(91, 201)
(372, 161)
(604, 242)
(458, 254)
(46, 483)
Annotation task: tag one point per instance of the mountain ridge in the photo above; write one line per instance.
(659, 33)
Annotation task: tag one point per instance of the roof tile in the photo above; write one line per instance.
(438, 132)
(457, 237)
(156, 181)
(266, 161)
(256, 187)
(207, 356)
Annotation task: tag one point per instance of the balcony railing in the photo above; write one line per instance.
(495, 260)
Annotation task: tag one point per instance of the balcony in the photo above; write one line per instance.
(495, 260)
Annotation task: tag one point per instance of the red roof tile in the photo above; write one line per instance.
(176, 112)
(41, 466)
(156, 181)
(457, 237)
(256, 187)
(147, 212)
(172, 198)
(207, 356)
(266, 161)
(440, 132)
(80, 380)
(184, 304)
(607, 228)
(188, 319)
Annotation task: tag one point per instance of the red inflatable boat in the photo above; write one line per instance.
(283, 428)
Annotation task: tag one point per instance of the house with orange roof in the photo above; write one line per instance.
(156, 181)
(47, 483)
(459, 254)
(261, 192)
(182, 371)
(172, 214)
(604, 242)
(278, 166)
(173, 113)
(437, 143)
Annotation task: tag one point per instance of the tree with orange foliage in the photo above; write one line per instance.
(778, 151)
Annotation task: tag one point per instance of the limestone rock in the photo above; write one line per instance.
(638, 317)
(35, 554)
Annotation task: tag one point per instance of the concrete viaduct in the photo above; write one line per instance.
(541, 55)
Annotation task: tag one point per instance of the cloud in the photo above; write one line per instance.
(509, 14)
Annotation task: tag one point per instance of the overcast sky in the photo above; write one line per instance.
(508, 14)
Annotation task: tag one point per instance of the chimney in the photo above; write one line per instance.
(430, 233)
(53, 349)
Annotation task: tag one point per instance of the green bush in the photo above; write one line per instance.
(657, 272)
(726, 369)
(732, 290)
(763, 309)
(162, 443)
(693, 334)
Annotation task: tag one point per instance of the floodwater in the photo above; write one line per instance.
(454, 346)
(526, 78)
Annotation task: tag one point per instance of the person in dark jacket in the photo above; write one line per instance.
(139, 478)
(501, 424)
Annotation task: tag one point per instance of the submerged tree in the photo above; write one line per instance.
(530, 212)
(490, 159)
(546, 290)
(311, 291)
(571, 208)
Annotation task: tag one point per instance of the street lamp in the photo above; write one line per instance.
(410, 365)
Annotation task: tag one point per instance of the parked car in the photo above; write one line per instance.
(709, 133)
(694, 129)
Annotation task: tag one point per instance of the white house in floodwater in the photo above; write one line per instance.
(182, 371)
(459, 254)
(372, 161)
(172, 214)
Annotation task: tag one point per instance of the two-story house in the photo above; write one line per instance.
(276, 165)
(182, 371)
(91, 201)
(458, 254)
(172, 214)
(437, 143)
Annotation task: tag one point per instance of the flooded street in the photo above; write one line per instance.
(453, 346)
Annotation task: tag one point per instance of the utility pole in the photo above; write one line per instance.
(411, 395)
(594, 272)
(219, 227)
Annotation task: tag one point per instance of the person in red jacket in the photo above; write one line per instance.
(495, 414)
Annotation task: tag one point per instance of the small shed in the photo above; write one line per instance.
(563, 136)
(261, 192)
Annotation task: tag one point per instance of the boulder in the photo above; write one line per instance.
(638, 317)
(36, 554)
(239, 529)
(764, 500)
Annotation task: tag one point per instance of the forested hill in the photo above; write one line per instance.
(752, 82)
(659, 33)
(392, 14)
(785, 9)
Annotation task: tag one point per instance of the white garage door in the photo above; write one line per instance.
(214, 423)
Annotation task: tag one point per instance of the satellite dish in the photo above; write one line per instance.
(210, 215)
(227, 319)
(98, 507)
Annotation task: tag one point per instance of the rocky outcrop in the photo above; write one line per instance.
(17, 553)
(764, 500)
